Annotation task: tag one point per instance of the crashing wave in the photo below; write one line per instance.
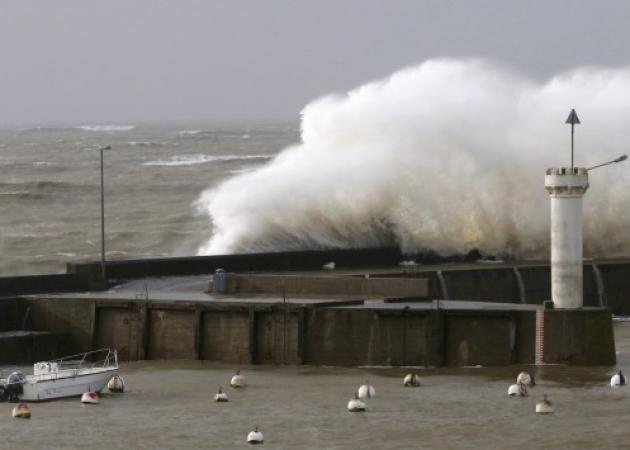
(449, 155)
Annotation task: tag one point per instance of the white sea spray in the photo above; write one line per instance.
(449, 155)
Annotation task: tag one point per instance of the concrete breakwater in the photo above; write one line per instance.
(284, 309)
(316, 331)
(606, 282)
(339, 334)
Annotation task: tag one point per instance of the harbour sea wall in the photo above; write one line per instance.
(343, 333)
(606, 282)
(455, 313)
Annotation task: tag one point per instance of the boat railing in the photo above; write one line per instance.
(102, 358)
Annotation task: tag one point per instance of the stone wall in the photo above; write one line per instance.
(357, 287)
(318, 335)
(73, 316)
(579, 337)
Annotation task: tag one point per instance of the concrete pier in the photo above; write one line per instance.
(278, 309)
(315, 331)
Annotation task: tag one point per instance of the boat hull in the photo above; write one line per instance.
(66, 386)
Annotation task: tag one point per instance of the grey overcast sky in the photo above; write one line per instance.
(154, 60)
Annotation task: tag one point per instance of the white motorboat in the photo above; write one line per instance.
(65, 377)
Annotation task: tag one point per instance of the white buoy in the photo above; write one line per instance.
(366, 390)
(255, 437)
(116, 384)
(517, 390)
(618, 379)
(411, 380)
(21, 411)
(220, 396)
(329, 266)
(544, 407)
(356, 405)
(90, 398)
(238, 380)
(526, 379)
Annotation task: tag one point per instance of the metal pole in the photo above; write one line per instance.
(572, 127)
(572, 119)
(103, 273)
(284, 327)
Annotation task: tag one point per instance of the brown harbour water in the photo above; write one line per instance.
(168, 405)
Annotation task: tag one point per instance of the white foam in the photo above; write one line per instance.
(240, 171)
(14, 193)
(409, 262)
(449, 155)
(189, 160)
(145, 144)
(107, 127)
(66, 255)
(189, 132)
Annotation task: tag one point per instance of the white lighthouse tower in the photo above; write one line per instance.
(566, 187)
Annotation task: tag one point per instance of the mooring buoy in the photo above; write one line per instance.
(255, 437)
(618, 379)
(220, 396)
(90, 398)
(517, 390)
(526, 378)
(366, 390)
(411, 380)
(356, 405)
(21, 411)
(116, 384)
(544, 406)
(238, 380)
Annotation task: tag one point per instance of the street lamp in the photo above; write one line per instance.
(103, 273)
(618, 160)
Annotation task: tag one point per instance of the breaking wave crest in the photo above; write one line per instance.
(189, 160)
(107, 127)
(449, 155)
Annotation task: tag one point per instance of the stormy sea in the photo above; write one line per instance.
(447, 156)
(153, 175)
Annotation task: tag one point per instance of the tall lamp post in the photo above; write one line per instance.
(103, 272)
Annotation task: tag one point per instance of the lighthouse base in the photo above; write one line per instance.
(579, 337)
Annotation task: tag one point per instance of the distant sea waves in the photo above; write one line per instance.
(37, 189)
(82, 127)
(189, 160)
(107, 127)
(50, 188)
